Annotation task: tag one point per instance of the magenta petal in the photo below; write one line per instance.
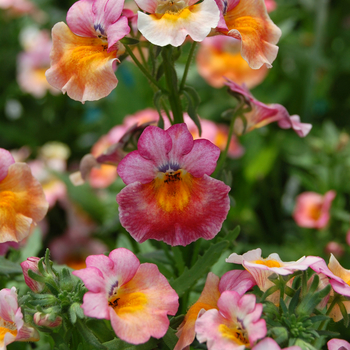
(6, 160)
(96, 305)
(338, 344)
(135, 168)
(149, 6)
(92, 278)
(202, 158)
(239, 281)
(80, 18)
(155, 144)
(107, 12)
(117, 31)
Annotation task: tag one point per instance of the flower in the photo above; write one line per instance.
(18, 8)
(22, 200)
(312, 209)
(338, 344)
(136, 297)
(32, 264)
(12, 327)
(47, 320)
(270, 344)
(170, 21)
(249, 22)
(270, 5)
(237, 323)
(219, 57)
(239, 281)
(261, 114)
(85, 51)
(169, 195)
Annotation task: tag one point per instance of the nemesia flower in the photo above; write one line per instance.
(338, 344)
(236, 325)
(270, 5)
(22, 7)
(136, 297)
(239, 281)
(270, 344)
(261, 269)
(312, 209)
(12, 327)
(84, 52)
(170, 21)
(22, 200)
(249, 22)
(219, 58)
(169, 195)
(261, 114)
(34, 61)
(32, 264)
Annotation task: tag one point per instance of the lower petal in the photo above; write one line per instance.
(81, 66)
(179, 217)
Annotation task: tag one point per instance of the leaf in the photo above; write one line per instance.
(122, 345)
(157, 98)
(33, 246)
(170, 339)
(179, 261)
(203, 264)
(129, 41)
(193, 103)
(232, 234)
(294, 302)
(87, 334)
(8, 267)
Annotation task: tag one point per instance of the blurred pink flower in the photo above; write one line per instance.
(136, 297)
(84, 52)
(11, 320)
(334, 248)
(261, 114)
(338, 344)
(22, 7)
(34, 61)
(237, 280)
(169, 195)
(249, 22)
(169, 22)
(22, 200)
(236, 323)
(312, 209)
(270, 344)
(270, 5)
(219, 58)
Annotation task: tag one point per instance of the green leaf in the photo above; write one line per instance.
(118, 344)
(8, 267)
(232, 234)
(294, 302)
(157, 99)
(193, 103)
(170, 339)
(87, 334)
(129, 41)
(33, 246)
(344, 312)
(203, 264)
(179, 261)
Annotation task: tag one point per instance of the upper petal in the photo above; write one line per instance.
(80, 18)
(6, 160)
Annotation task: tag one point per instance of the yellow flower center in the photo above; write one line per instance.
(170, 6)
(268, 263)
(173, 189)
(236, 335)
(314, 211)
(126, 303)
(7, 327)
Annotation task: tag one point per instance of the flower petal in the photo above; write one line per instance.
(6, 160)
(82, 67)
(80, 18)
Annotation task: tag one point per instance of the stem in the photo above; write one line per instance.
(139, 48)
(171, 81)
(188, 63)
(143, 69)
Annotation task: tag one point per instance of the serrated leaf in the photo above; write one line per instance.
(203, 264)
(8, 267)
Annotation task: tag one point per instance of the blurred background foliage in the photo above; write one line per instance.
(310, 77)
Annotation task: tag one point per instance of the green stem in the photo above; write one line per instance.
(143, 69)
(187, 67)
(139, 48)
(171, 81)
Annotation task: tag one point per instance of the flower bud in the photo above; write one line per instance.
(32, 264)
(47, 320)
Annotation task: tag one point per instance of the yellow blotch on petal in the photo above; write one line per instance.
(234, 334)
(268, 263)
(7, 327)
(172, 190)
(128, 303)
(174, 16)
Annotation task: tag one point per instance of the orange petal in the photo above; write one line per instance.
(249, 22)
(22, 203)
(80, 66)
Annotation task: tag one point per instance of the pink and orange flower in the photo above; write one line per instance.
(22, 200)
(12, 327)
(170, 21)
(261, 114)
(312, 209)
(136, 297)
(236, 324)
(249, 22)
(84, 52)
(169, 195)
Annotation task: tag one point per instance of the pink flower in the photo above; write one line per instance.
(22, 7)
(170, 21)
(43, 320)
(136, 297)
(270, 5)
(85, 51)
(338, 344)
(169, 195)
(270, 344)
(312, 209)
(261, 114)
(237, 280)
(236, 325)
(32, 264)
(22, 200)
(12, 327)
(249, 22)
(219, 58)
